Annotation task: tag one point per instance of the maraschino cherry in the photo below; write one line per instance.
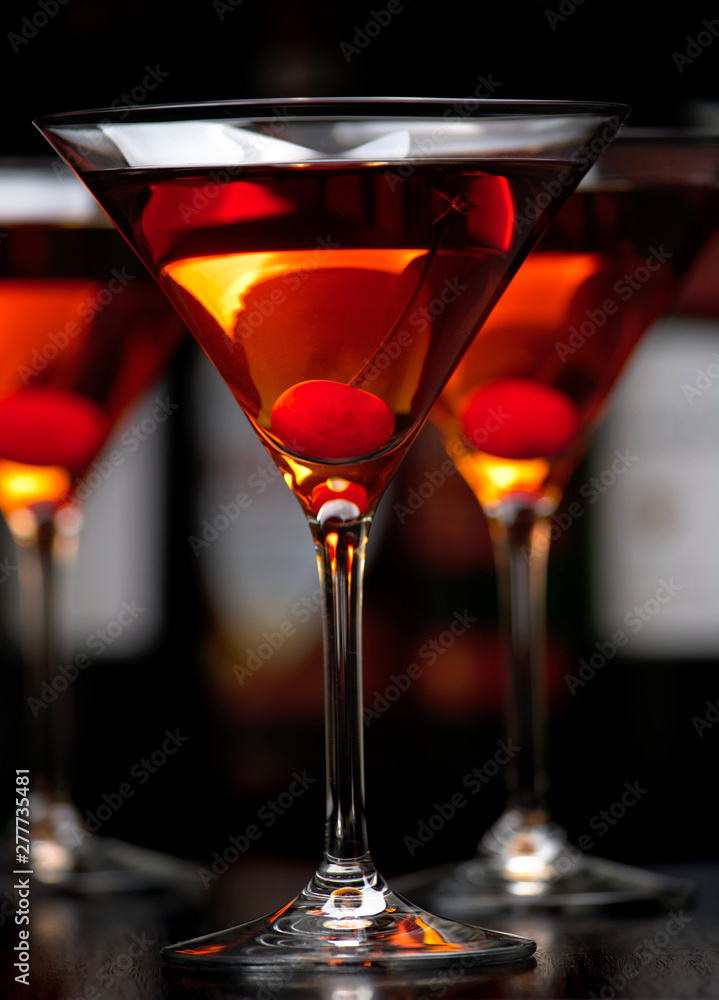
(330, 421)
(44, 426)
(516, 418)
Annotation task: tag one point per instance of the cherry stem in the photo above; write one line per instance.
(440, 226)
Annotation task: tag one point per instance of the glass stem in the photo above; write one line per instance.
(56, 826)
(35, 541)
(340, 548)
(520, 539)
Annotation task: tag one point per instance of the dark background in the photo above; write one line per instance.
(89, 53)
(632, 724)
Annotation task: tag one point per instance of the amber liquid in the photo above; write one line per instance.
(84, 333)
(353, 279)
(516, 414)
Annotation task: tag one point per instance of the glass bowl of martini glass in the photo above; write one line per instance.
(84, 336)
(423, 209)
(516, 417)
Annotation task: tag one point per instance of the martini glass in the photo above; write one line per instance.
(334, 259)
(83, 336)
(516, 417)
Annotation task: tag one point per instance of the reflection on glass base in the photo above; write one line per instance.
(463, 891)
(65, 856)
(350, 927)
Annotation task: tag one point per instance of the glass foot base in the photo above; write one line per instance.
(66, 857)
(350, 927)
(482, 885)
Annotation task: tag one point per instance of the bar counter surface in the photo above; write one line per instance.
(106, 947)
